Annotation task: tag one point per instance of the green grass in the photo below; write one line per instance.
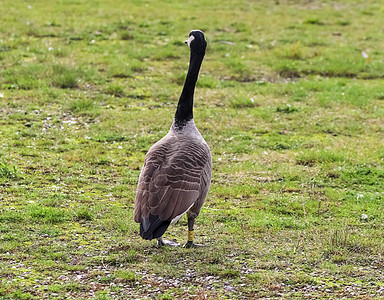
(290, 100)
(7, 171)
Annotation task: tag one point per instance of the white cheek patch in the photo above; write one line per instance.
(189, 41)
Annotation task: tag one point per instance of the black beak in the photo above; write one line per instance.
(186, 42)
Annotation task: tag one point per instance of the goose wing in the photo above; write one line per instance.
(170, 180)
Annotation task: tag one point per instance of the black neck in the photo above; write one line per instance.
(184, 111)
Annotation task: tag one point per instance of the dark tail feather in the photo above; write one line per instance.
(152, 227)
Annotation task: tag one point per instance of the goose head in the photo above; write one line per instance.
(196, 41)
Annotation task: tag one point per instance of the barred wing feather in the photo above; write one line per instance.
(174, 176)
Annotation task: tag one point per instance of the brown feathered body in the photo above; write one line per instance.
(175, 178)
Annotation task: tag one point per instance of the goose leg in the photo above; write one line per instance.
(161, 242)
(191, 232)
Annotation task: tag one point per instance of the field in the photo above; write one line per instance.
(290, 99)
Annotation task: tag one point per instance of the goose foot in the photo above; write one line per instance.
(190, 244)
(161, 242)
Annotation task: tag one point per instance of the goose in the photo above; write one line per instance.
(177, 170)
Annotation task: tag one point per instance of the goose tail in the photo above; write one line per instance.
(152, 227)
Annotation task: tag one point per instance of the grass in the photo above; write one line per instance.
(6, 170)
(289, 99)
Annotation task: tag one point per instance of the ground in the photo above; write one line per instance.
(290, 99)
